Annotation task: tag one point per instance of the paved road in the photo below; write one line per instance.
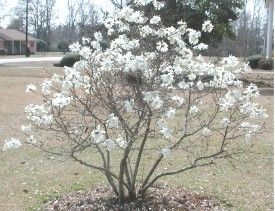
(57, 59)
(261, 72)
(30, 59)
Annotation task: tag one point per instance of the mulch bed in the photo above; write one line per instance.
(102, 198)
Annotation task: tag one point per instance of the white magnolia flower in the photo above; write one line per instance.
(166, 152)
(121, 142)
(46, 86)
(225, 104)
(66, 85)
(164, 128)
(148, 96)
(201, 46)
(155, 20)
(246, 125)
(157, 4)
(162, 46)
(157, 102)
(255, 129)
(143, 2)
(98, 136)
(113, 121)
(30, 88)
(194, 36)
(110, 32)
(230, 61)
(237, 95)
(153, 99)
(56, 78)
(161, 32)
(31, 139)
(200, 85)
(146, 30)
(161, 123)
(26, 129)
(47, 119)
(180, 23)
(98, 36)
(39, 114)
(253, 110)
(12, 143)
(85, 52)
(171, 112)
(247, 68)
(247, 137)
(60, 100)
(225, 122)
(193, 110)
(192, 76)
(75, 47)
(252, 91)
(167, 79)
(85, 40)
(178, 99)
(206, 131)
(110, 145)
(250, 128)
(207, 26)
(166, 132)
(128, 106)
(96, 45)
(184, 85)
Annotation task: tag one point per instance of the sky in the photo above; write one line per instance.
(59, 9)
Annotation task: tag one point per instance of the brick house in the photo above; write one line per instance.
(14, 41)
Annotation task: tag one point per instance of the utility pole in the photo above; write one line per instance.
(270, 8)
(27, 25)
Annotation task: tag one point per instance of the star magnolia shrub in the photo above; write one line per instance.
(148, 99)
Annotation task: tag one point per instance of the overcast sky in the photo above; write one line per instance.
(60, 9)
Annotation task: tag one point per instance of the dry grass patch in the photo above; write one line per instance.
(31, 178)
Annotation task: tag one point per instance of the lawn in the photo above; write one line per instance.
(30, 177)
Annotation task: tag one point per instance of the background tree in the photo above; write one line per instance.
(221, 13)
(250, 32)
(17, 23)
(41, 16)
(18, 17)
(87, 18)
(119, 4)
(63, 46)
(82, 21)
(3, 4)
(71, 20)
(41, 19)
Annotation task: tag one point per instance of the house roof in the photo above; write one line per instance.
(13, 34)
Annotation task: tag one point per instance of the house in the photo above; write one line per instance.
(14, 41)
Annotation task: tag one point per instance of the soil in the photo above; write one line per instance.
(159, 198)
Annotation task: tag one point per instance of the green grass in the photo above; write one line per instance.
(31, 178)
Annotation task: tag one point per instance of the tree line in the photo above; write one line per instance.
(240, 25)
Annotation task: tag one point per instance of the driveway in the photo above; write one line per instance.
(30, 59)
